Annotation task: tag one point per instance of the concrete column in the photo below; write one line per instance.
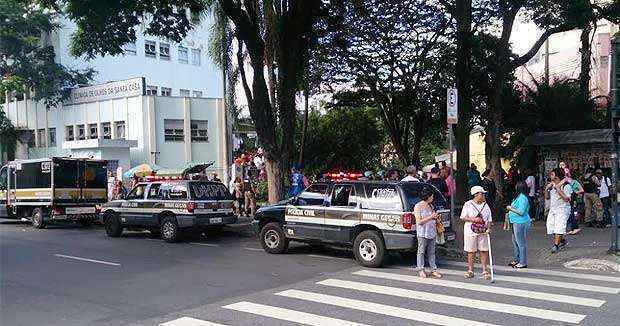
(99, 126)
(37, 142)
(7, 100)
(187, 129)
(47, 133)
(112, 127)
(150, 129)
(127, 117)
(222, 137)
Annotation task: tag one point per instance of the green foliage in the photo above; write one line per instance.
(8, 136)
(27, 59)
(343, 138)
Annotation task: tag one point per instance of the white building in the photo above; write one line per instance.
(169, 69)
(119, 122)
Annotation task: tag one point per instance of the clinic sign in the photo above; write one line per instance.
(117, 89)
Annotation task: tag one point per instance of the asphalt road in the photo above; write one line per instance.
(75, 276)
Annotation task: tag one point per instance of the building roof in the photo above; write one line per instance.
(571, 137)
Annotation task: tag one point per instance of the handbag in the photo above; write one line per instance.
(479, 227)
(506, 226)
(440, 227)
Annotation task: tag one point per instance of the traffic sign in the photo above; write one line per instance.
(452, 105)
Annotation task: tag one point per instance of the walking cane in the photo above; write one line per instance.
(490, 258)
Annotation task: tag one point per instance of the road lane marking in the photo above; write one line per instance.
(593, 277)
(329, 257)
(253, 249)
(381, 309)
(294, 316)
(189, 321)
(457, 301)
(88, 260)
(537, 281)
(205, 244)
(485, 288)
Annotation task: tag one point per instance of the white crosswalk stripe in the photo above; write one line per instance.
(380, 309)
(485, 288)
(543, 282)
(189, 321)
(593, 277)
(385, 297)
(294, 316)
(457, 301)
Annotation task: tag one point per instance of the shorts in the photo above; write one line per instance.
(556, 221)
(476, 243)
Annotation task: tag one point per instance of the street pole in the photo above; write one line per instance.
(452, 119)
(614, 86)
(451, 149)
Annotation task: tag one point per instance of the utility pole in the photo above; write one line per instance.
(614, 83)
(547, 61)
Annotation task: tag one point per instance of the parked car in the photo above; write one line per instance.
(371, 217)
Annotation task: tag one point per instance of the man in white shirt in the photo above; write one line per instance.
(411, 174)
(559, 193)
(476, 210)
(259, 160)
(603, 193)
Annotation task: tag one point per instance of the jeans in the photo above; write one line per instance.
(606, 207)
(426, 246)
(519, 242)
(593, 203)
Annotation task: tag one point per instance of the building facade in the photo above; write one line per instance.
(121, 123)
(170, 69)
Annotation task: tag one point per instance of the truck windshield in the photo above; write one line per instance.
(208, 191)
(412, 192)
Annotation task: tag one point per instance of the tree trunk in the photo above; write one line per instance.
(463, 83)
(304, 130)
(274, 179)
(584, 74)
(493, 155)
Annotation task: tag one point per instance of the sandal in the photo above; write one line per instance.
(486, 275)
(513, 263)
(422, 274)
(469, 274)
(436, 274)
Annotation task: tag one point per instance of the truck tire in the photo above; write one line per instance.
(113, 226)
(272, 238)
(37, 219)
(170, 229)
(369, 248)
(86, 222)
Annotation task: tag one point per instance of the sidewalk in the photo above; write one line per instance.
(590, 243)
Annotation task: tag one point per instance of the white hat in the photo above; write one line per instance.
(477, 189)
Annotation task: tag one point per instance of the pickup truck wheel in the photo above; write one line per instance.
(37, 219)
(369, 248)
(113, 226)
(273, 239)
(170, 229)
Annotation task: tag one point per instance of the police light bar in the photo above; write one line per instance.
(162, 178)
(344, 175)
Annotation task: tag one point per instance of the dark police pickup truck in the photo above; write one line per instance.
(369, 216)
(170, 207)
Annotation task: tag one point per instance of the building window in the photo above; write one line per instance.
(69, 136)
(41, 135)
(92, 131)
(151, 90)
(183, 55)
(130, 49)
(51, 137)
(30, 137)
(81, 134)
(119, 126)
(166, 91)
(173, 130)
(196, 57)
(107, 130)
(164, 51)
(150, 49)
(199, 131)
(197, 93)
(184, 92)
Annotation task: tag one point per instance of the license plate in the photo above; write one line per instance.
(80, 210)
(215, 220)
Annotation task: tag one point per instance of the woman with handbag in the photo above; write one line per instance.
(477, 217)
(519, 217)
(426, 229)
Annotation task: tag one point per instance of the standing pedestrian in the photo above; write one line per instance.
(592, 201)
(572, 225)
(438, 182)
(239, 196)
(412, 174)
(558, 193)
(298, 182)
(519, 216)
(473, 176)
(249, 191)
(477, 217)
(603, 188)
(426, 230)
(489, 186)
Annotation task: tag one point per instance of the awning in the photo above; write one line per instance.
(571, 137)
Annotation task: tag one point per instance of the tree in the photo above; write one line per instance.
(27, 59)
(271, 37)
(393, 56)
